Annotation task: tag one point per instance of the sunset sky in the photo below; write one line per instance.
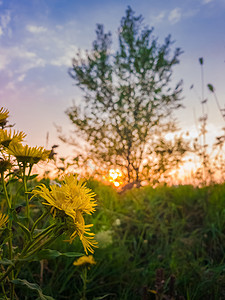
(39, 38)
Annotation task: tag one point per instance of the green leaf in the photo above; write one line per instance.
(32, 286)
(52, 254)
(32, 176)
(25, 229)
(13, 179)
(6, 262)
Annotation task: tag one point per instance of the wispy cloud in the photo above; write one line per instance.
(35, 45)
(21, 77)
(175, 15)
(32, 54)
(159, 18)
(5, 19)
(62, 52)
(3, 60)
(65, 59)
(12, 83)
(191, 12)
(10, 86)
(36, 29)
(21, 57)
(207, 1)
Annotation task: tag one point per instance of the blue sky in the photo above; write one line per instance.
(38, 40)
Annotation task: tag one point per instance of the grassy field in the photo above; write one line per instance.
(162, 243)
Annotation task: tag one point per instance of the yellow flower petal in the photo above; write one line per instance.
(85, 260)
(26, 154)
(3, 219)
(4, 114)
(8, 136)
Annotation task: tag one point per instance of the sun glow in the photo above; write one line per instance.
(115, 177)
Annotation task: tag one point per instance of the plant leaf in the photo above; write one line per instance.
(25, 229)
(6, 262)
(32, 176)
(32, 286)
(52, 254)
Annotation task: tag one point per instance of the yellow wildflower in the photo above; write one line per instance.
(4, 114)
(3, 219)
(71, 199)
(79, 197)
(26, 154)
(7, 136)
(85, 260)
(83, 231)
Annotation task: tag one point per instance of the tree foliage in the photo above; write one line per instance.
(127, 94)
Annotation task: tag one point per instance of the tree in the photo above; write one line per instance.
(127, 95)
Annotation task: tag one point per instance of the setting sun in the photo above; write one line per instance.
(115, 177)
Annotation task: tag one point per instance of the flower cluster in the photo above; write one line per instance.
(70, 201)
(11, 144)
(26, 234)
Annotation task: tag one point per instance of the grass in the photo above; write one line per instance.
(178, 229)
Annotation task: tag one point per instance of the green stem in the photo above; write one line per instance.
(5, 190)
(9, 270)
(45, 230)
(3, 290)
(84, 278)
(49, 241)
(26, 255)
(37, 239)
(12, 288)
(26, 194)
(38, 220)
(57, 233)
(10, 234)
(32, 245)
(11, 257)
